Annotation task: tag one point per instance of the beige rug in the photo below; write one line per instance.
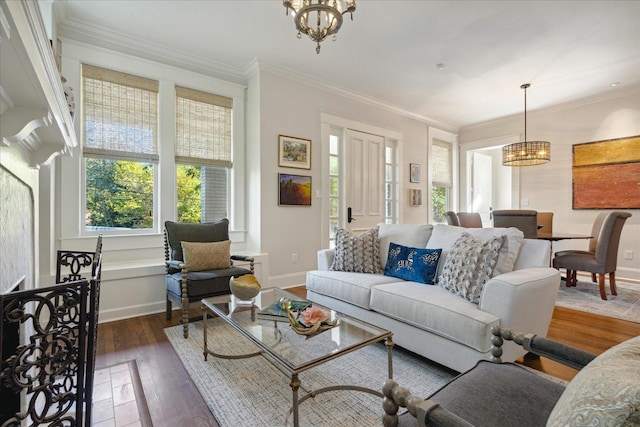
(586, 297)
(251, 392)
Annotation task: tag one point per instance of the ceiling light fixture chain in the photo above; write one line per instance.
(527, 153)
(326, 21)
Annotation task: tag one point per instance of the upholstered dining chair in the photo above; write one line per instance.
(545, 222)
(470, 219)
(604, 257)
(452, 218)
(199, 264)
(522, 219)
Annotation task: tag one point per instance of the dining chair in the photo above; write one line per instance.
(470, 219)
(604, 257)
(522, 219)
(545, 222)
(452, 218)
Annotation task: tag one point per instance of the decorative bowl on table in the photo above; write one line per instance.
(310, 321)
(245, 288)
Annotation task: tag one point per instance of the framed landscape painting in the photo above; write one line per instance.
(294, 190)
(294, 152)
(606, 174)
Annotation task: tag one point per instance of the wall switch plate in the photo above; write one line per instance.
(628, 254)
(294, 258)
(524, 202)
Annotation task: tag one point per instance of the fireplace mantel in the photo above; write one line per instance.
(34, 112)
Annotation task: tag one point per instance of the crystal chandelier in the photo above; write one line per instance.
(319, 19)
(527, 153)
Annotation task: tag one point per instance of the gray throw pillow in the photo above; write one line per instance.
(359, 254)
(470, 265)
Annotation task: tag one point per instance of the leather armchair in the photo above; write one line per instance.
(602, 257)
(186, 286)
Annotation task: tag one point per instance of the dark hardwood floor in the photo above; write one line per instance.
(173, 399)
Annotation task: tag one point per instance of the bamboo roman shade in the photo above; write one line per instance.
(441, 162)
(120, 113)
(203, 128)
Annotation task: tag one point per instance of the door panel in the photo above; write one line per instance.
(364, 180)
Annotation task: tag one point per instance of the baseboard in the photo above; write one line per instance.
(131, 311)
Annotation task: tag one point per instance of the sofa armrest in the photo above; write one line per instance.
(325, 259)
(522, 299)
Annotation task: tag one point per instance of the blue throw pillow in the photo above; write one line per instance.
(414, 264)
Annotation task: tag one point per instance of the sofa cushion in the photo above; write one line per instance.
(200, 256)
(357, 253)
(606, 392)
(469, 265)
(354, 288)
(436, 310)
(444, 236)
(413, 235)
(414, 264)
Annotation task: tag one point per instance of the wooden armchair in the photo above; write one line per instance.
(199, 264)
(492, 393)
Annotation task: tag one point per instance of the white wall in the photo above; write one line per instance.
(291, 107)
(548, 187)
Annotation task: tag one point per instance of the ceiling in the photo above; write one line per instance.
(570, 51)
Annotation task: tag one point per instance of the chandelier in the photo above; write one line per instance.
(319, 19)
(527, 153)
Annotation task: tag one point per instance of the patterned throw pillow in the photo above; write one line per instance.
(358, 254)
(200, 256)
(469, 265)
(414, 264)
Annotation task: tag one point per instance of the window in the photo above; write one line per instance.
(203, 155)
(390, 191)
(441, 180)
(334, 185)
(120, 149)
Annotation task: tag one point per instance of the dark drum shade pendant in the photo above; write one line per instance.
(527, 153)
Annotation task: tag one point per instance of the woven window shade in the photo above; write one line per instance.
(441, 162)
(120, 114)
(203, 128)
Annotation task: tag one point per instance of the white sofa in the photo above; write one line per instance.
(433, 322)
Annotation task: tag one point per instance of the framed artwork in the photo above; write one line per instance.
(415, 197)
(414, 172)
(606, 174)
(294, 190)
(294, 152)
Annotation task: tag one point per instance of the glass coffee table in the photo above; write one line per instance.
(291, 353)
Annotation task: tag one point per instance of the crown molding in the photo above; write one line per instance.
(339, 90)
(105, 38)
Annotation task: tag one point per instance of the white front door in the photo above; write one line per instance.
(364, 181)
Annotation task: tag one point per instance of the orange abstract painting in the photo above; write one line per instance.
(606, 174)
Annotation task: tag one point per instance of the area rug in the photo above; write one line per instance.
(586, 297)
(251, 392)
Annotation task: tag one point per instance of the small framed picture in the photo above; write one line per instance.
(294, 190)
(415, 197)
(294, 152)
(414, 172)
